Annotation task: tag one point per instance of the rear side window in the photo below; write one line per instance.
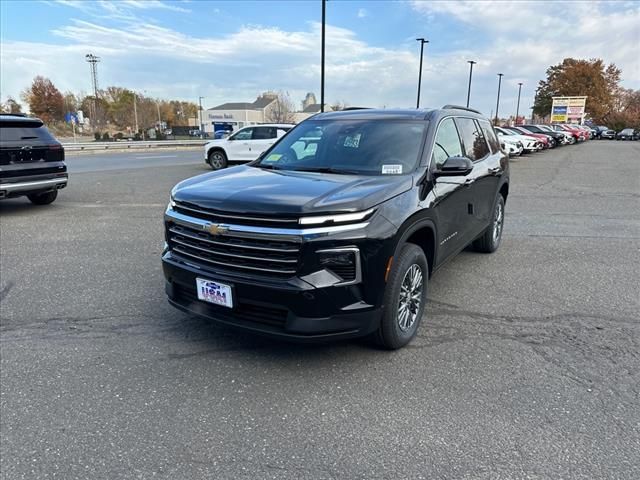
(490, 136)
(25, 132)
(475, 146)
(264, 133)
(447, 142)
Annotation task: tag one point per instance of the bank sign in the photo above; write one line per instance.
(568, 109)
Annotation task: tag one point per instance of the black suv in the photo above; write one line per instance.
(31, 160)
(334, 231)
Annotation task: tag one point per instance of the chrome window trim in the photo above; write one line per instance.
(271, 233)
(356, 251)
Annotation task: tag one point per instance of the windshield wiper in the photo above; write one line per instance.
(327, 170)
(267, 166)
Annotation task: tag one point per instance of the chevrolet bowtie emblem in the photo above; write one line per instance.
(216, 229)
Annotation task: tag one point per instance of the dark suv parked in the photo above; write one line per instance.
(334, 231)
(31, 160)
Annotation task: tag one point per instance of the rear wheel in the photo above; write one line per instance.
(490, 239)
(217, 159)
(404, 298)
(43, 198)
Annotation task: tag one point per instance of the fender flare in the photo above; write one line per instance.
(412, 225)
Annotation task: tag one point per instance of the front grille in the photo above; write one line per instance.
(243, 311)
(216, 216)
(236, 254)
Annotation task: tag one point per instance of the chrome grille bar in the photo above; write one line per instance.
(184, 233)
(246, 257)
(180, 251)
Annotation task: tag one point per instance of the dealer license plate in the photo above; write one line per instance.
(214, 292)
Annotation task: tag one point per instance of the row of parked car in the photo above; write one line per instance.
(530, 138)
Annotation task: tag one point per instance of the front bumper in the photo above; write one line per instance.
(12, 187)
(294, 312)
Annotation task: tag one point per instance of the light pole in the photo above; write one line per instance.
(518, 104)
(324, 16)
(500, 75)
(135, 111)
(200, 116)
(422, 42)
(471, 64)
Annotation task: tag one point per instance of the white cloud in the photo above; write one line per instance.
(236, 67)
(362, 13)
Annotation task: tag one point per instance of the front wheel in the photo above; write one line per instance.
(43, 198)
(217, 160)
(490, 239)
(404, 298)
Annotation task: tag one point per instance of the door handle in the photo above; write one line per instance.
(469, 181)
(495, 170)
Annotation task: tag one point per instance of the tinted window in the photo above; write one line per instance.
(243, 134)
(447, 142)
(25, 132)
(264, 133)
(475, 146)
(490, 136)
(368, 147)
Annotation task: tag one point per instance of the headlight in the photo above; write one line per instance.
(341, 218)
(171, 204)
(342, 262)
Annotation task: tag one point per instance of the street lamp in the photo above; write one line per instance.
(200, 116)
(471, 64)
(518, 104)
(500, 75)
(324, 16)
(422, 42)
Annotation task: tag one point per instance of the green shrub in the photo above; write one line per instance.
(105, 136)
(97, 136)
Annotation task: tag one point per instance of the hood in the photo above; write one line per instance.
(248, 190)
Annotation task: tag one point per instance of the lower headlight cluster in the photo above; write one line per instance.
(343, 262)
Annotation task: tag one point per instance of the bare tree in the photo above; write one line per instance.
(11, 106)
(281, 110)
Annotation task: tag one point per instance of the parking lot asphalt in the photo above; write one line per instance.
(527, 364)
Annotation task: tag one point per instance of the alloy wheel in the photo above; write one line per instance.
(410, 297)
(498, 220)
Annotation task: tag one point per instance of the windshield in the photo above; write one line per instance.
(367, 147)
(504, 131)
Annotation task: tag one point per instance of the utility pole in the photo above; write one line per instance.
(500, 75)
(159, 119)
(518, 104)
(93, 65)
(200, 117)
(422, 42)
(324, 18)
(471, 64)
(135, 111)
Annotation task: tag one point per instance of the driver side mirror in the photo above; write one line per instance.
(455, 166)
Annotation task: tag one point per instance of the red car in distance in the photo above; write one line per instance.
(523, 131)
(578, 133)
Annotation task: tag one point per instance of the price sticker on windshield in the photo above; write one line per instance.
(391, 169)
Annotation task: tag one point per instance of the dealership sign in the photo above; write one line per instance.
(568, 109)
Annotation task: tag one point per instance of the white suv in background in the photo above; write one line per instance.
(245, 145)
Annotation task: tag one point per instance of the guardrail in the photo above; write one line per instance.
(135, 144)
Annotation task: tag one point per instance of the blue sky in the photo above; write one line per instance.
(231, 51)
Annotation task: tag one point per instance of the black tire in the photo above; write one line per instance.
(217, 160)
(490, 239)
(391, 334)
(43, 198)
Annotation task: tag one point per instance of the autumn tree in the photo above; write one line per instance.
(11, 106)
(281, 110)
(44, 99)
(590, 78)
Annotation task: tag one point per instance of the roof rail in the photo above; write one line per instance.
(13, 114)
(355, 108)
(458, 107)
